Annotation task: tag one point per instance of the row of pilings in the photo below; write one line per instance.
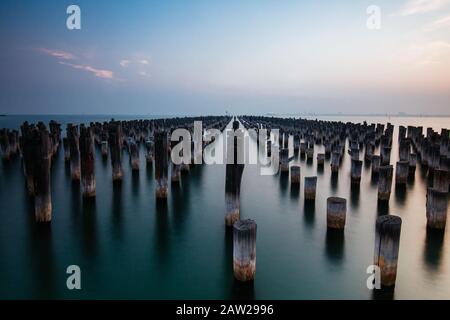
(37, 147)
(430, 150)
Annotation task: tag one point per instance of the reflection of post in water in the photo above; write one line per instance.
(309, 209)
(161, 164)
(334, 244)
(434, 242)
(436, 208)
(89, 227)
(233, 175)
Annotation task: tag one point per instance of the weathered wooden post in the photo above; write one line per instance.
(104, 142)
(134, 155)
(402, 172)
(376, 162)
(441, 180)
(176, 168)
(310, 188)
(335, 161)
(412, 163)
(73, 137)
(320, 159)
(149, 149)
(42, 153)
(404, 149)
(66, 149)
(385, 156)
(161, 164)
(436, 206)
(244, 250)
(295, 174)
(87, 161)
(5, 149)
(310, 153)
(356, 170)
(233, 175)
(387, 242)
(385, 183)
(336, 212)
(284, 160)
(115, 146)
(27, 147)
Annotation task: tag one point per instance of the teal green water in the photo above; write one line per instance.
(129, 247)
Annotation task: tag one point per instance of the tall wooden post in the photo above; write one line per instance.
(161, 164)
(87, 161)
(436, 208)
(73, 137)
(336, 212)
(244, 250)
(385, 183)
(115, 146)
(233, 176)
(387, 242)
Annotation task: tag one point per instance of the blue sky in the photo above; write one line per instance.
(206, 57)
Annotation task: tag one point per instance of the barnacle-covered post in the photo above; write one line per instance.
(336, 212)
(73, 137)
(115, 146)
(244, 250)
(87, 161)
(387, 243)
(233, 175)
(161, 164)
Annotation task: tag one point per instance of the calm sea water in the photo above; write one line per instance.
(128, 246)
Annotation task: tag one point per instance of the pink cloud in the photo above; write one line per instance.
(58, 54)
(100, 73)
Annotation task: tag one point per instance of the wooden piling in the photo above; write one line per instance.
(387, 242)
(87, 162)
(310, 188)
(385, 183)
(376, 162)
(320, 159)
(134, 155)
(295, 175)
(115, 141)
(356, 170)
(161, 164)
(441, 180)
(244, 250)
(233, 176)
(336, 212)
(73, 138)
(436, 208)
(335, 161)
(42, 153)
(402, 172)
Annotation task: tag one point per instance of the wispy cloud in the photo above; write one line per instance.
(421, 6)
(63, 55)
(144, 61)
(100, 73)
(438, 24)
(124, 63)
(143, 73)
